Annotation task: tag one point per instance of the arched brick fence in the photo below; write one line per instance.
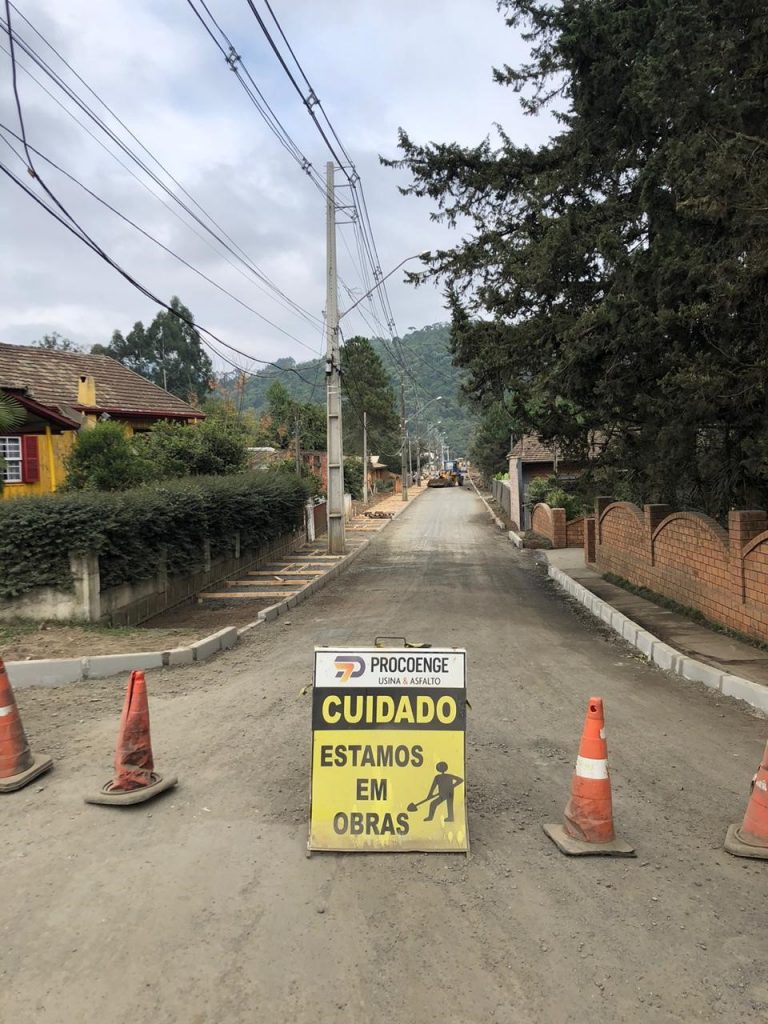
(688, 557)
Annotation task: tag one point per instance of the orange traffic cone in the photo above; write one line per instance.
(588, 826)
(751, 840)
(17, 765)
(135, 779)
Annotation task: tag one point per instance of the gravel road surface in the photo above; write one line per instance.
(203, 908)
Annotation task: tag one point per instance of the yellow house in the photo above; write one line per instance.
(61, 393)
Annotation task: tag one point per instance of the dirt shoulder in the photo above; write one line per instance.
(26, 641)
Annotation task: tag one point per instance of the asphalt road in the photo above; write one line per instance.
(202, 907)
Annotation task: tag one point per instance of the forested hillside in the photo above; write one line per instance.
(429, 373)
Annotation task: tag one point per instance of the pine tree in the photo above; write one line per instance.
(615, 278)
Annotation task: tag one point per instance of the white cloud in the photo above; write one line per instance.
(418, 64)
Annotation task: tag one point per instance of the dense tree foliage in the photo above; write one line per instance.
(613, 284)
(287, 417)
(106, 458)
(367, 387)
(169, 353)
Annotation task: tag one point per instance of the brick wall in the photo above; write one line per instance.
(551, 523)
(689, 558)
(574, 533)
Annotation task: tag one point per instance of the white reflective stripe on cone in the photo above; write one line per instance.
(6, 711)
(591, 768)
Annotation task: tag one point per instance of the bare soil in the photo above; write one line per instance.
(27, 641)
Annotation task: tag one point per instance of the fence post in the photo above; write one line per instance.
(87, 581)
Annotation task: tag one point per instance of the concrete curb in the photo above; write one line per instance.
(660, 653)
(491, 513)
(50, 672)
(274, 610)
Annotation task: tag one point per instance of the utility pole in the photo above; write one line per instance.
(403, 453)
(365, 458)
(336, 544)
(418, 451)
(298, 444)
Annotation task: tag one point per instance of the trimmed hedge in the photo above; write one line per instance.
(132, 530)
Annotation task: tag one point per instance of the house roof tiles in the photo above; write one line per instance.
(530, 448)
(52, 378)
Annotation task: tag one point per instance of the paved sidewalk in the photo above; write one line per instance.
(728, 655)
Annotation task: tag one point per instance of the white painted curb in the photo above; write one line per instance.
(49, 672)
(661, 654)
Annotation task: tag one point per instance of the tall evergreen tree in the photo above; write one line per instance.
(615, 280)
(169, 353)
(366, 387)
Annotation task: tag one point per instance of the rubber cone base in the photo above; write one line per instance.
(124, 798)
(13, 782)
(577, 848)
(736, 846)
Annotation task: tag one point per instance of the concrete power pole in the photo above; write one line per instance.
(336, 545)
(365, 458)
(404, 453)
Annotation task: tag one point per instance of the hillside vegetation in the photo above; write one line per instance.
(429, 373)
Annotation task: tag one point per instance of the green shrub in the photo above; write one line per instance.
(103, 458)
(134, 530)
(211, 448)
(550, 490)
(353, 477)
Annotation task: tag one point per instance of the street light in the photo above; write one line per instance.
(418, 256)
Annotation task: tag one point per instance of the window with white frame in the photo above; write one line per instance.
(10, 454)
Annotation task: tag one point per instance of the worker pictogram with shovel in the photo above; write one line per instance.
(441, 791)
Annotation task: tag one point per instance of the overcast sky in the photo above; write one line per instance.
(424, 65)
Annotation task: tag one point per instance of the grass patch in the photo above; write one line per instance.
(680, 609)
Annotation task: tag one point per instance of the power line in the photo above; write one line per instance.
(146, 234)
(216, 232)
(74, 228)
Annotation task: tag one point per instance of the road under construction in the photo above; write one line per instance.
(202, 905)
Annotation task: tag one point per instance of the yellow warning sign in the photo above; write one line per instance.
(388, 768)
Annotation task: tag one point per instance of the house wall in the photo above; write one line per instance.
(52, 450)
(688, 557)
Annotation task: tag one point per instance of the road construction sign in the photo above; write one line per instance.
(388, 750)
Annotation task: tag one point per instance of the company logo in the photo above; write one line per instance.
(348, 666)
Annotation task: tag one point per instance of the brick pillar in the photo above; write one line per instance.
(558, 527)
(601, 504)
(653, 516)
(589, 540)
(743, 526)
(87, 581)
